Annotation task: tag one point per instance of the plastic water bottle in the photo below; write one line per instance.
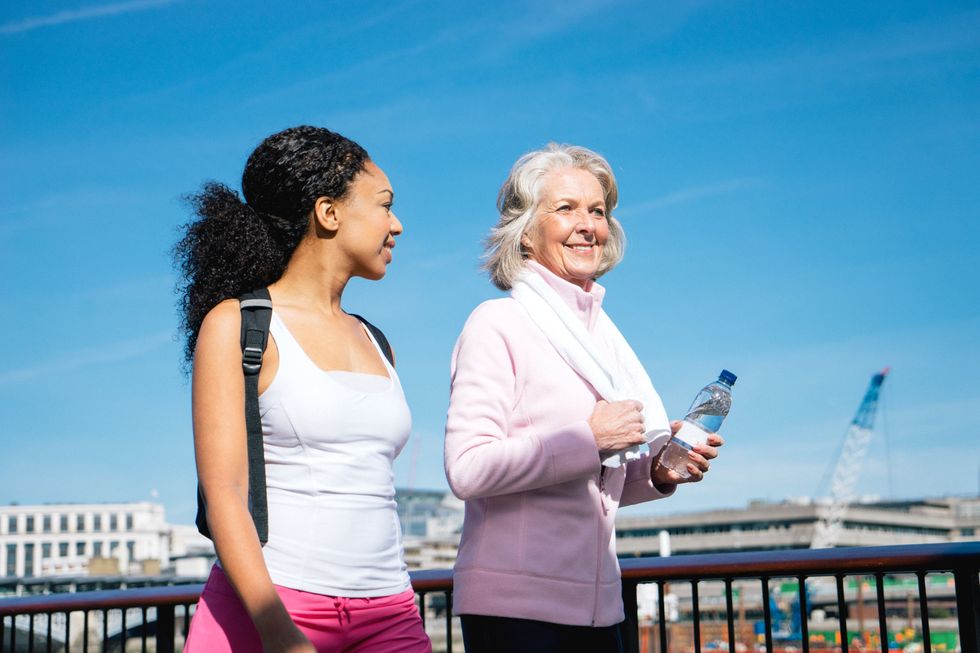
(705, 416)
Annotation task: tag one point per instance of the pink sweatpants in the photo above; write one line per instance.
(387, 624)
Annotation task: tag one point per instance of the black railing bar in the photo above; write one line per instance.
(3, 626)
(449, 621)
(662, 615)
(422, 608)
(924, 612)
(804, 608)
(165, 628)
(187, 621)
(842, 613)
(696, 616)
(882, 617)
(730, 611)
(143, 612)
(47, 645)
(67, 631)
(427, 580)
(30, 636)
(13, 633)
(105, 630)
(122, 635)
(967, 582)
(105, 599)
(767, 613)
(85, 633)
(849, 560)
(630, 627)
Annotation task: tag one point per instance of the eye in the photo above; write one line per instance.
(599, 211)
(563, 208)
(387, 206)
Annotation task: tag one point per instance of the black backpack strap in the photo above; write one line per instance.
(256, 309)
(380, 337)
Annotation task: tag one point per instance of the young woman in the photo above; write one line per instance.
(316, 212)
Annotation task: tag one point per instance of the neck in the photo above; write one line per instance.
(313, 278)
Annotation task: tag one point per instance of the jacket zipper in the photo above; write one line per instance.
(598, 559)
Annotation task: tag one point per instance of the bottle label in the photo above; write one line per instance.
(691, 434)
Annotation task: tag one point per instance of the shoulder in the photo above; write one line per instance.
(496, 312)
(497, 320)
(221, 328)
(225, 315)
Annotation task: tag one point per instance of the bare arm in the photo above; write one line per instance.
(222, 467)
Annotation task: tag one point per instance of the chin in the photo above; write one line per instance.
(371, 274)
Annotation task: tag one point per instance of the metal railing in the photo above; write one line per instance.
(114, 620)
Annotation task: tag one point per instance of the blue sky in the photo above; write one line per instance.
(799, 183)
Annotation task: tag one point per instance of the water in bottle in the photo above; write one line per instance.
(705, 416)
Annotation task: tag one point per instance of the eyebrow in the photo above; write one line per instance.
(601, 202)
(387, 190)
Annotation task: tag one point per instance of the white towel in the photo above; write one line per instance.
(627, 380)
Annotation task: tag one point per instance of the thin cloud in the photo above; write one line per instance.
(111, 353)
(62, 17)
(695, 193)
(860, 51)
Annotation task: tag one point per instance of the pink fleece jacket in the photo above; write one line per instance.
(538, 537)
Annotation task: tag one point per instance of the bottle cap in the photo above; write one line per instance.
(727, 377)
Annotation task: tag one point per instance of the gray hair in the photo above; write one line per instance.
(519, 197)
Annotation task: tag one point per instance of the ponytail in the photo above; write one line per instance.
(235, 246)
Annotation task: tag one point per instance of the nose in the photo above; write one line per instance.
(396, 225)
(586, 224)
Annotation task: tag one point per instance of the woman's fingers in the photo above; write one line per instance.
(715, 440)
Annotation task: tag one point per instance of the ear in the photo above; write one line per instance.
(325, 214)
(526, 241)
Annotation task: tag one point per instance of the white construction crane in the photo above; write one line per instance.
(848, 469)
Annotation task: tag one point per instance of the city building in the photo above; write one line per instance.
(791, 524)
(82, 539)
(431, 521)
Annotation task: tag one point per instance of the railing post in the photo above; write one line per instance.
(165, 628)
(630, 628)
(968, 607)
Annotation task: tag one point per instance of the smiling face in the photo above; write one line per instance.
(367, 224)
(570, 227)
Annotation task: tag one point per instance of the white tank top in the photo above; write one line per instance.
(330, 440)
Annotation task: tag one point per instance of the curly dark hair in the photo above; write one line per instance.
(232, 247)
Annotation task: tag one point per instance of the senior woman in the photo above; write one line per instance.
(547, 410)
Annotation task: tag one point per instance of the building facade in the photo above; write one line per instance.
(78, 539)
(763, 526)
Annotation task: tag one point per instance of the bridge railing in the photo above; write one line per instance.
(720, 593)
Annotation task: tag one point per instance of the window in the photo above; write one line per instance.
(130, 550)
(46, 550)
(97, 522)
(79, 523)
(97, 549)
(46, 523)
(12, 524)
(63, 524)
(62, 549)
(114, 547)
(113, 523)
(79, 549)
(11, 559)
(28, 560)
(29, 527)
(129, 521)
